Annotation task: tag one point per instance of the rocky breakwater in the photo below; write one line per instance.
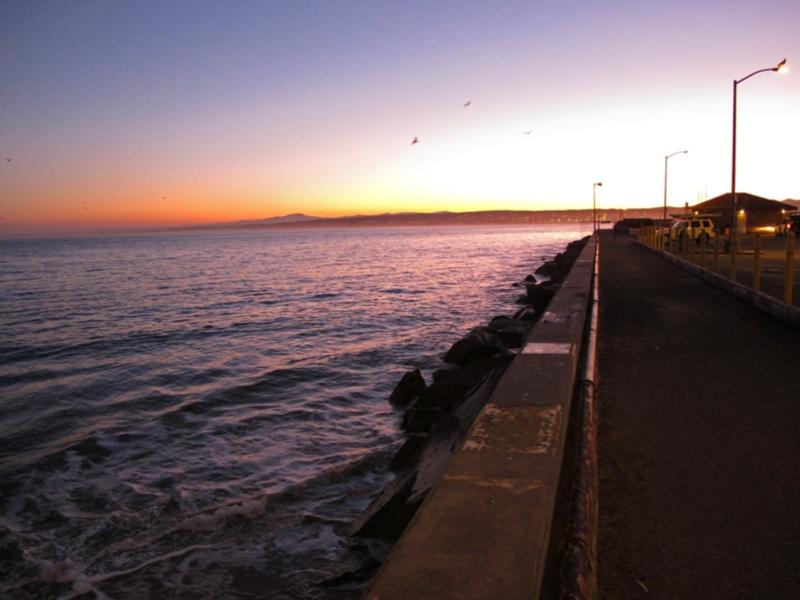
(437, 416)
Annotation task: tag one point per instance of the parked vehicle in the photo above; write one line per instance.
(699, 230)
(790, 223)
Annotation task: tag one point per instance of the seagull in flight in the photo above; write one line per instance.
(8, 160)
(415, 141)
(467, 103)
(530, 131)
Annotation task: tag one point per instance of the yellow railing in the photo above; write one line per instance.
(738, 248)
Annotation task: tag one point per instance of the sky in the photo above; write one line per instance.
(138, 114)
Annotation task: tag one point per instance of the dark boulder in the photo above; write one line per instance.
(512, 331)
(540, 296)
(527, 314)
(530, 278)
(360, 574)
(388, 514)
(440, 374)
(498, 318)
(479, 343)
(409, 452)
(420, 419)
(546, 268)
(449, 390)
(411, 385)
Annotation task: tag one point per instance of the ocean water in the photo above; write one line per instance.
(202, 415)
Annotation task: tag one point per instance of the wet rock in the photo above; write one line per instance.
(530, 278)
(420, 419)
(539, 296)
(360, 574)
(512, 331)
(527, 314)
(411, 385)
(546, 268)
(388, 514)
(440, 374)
(479, 343)
(449, 391)
(409, 452)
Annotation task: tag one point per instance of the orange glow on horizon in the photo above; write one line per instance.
(518, 108)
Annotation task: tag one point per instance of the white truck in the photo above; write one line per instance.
(699, 230)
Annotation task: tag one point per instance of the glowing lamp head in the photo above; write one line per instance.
(781, 68)
(599, 183)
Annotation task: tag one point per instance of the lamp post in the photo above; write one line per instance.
(779, 68)
(666, 159)
(594, 205)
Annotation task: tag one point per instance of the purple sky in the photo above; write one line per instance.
(131, 113)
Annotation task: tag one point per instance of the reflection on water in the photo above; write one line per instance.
(203, 415)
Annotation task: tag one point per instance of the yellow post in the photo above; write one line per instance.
(757, 262)
(732, 272)
(716, 253)
(703, 241)
(788, 281)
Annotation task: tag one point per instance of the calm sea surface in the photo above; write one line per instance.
(203, 415)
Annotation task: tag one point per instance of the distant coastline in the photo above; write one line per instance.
(410, 219)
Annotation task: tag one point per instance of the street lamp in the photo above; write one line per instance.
(666, 158)
(779, 68)
(594, 205)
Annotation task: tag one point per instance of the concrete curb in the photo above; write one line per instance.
(579, 556)
(790, 315)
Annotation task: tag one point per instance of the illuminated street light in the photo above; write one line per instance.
(666, 158)
(594, 205)
(779, 68)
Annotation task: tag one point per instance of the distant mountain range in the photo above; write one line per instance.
(486, 217)
(483, 217)
(292, 218)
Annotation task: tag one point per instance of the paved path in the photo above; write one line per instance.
(699, 437)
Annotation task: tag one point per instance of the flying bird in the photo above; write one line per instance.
(530, 131)
(8, 160)
(415, 141)
(467, 103)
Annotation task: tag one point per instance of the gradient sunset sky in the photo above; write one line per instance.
(126, 114)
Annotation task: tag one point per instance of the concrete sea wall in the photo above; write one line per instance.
(480, 477)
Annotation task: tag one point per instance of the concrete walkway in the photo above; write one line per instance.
(699, 437)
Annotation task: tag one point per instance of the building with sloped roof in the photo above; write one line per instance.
(751, 211)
